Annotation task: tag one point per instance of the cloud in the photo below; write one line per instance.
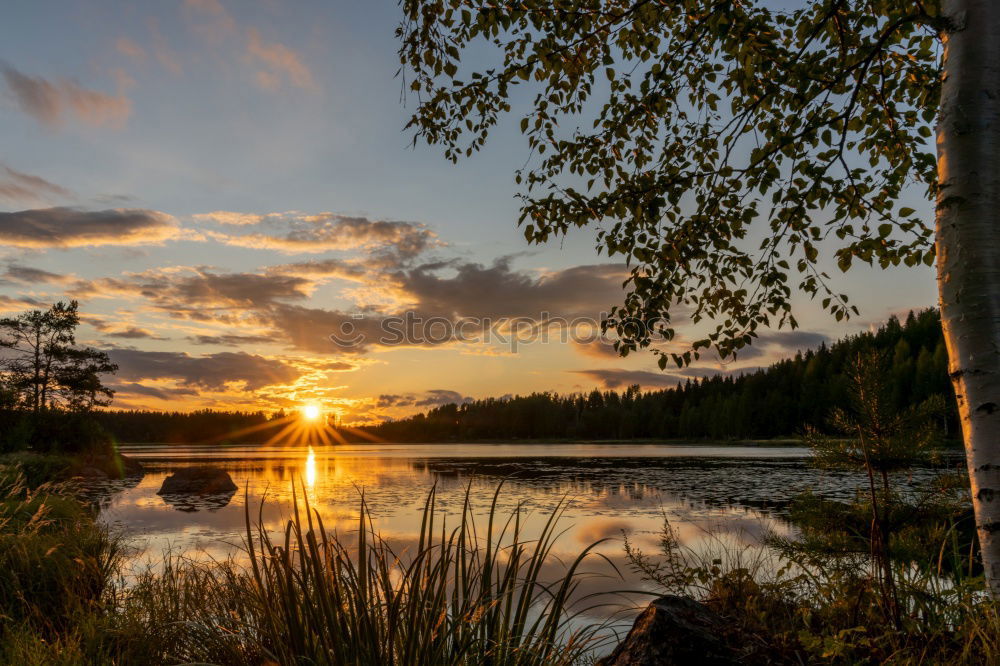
(792, 339)
(70, 227)
(130, 49)
(274, 63)
(234, 300)
(431, 398)
(617, 378)
(51, 102)
(20, 303)
(221, 23)
(162, 51)
(20, 186)
(29, 275)
(387, 400)
(612, 378)
(475, 290)
(209, 372)
(229, 217)
(130, 388)
(320, 269)
(194, 292)
(599, 348)
(472, 291)
(438, 397)
(132, 333)
(708, 371)
(232, 340)
(326, 232)
(272, 308)
(120, 330)
(786, 343)
(278, 62)
(310, 329)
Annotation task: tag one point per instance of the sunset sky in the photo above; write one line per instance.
(224, 184)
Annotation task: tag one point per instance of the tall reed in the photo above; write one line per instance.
(461, 596)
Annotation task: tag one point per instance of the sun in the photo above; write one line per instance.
(311, 412)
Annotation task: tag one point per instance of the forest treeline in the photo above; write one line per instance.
(776, 401)
(202, 426)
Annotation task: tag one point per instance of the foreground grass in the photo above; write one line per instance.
(467, 594)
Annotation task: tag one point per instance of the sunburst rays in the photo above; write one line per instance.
(300, 429)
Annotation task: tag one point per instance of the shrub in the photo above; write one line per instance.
(55, 561)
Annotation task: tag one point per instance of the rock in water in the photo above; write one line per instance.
(198, 481)
(673, 631)
(130, 466)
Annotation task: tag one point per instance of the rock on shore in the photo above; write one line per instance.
(673, 631)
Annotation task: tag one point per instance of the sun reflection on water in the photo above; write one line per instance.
(311, 468)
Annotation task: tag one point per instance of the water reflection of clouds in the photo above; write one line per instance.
(395, 488)
(709, 502)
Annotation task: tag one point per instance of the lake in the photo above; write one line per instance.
(711, 494)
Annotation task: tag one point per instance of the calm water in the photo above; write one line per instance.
(733, 492)
(608, 488)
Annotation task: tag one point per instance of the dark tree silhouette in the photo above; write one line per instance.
(44, 368)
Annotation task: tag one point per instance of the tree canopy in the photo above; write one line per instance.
(726, 150)
(44, 368)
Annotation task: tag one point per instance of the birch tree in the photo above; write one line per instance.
(730, 151)
(968, 249)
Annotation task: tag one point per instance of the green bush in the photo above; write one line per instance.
(34, 469)
(56, 562)
(805, 606)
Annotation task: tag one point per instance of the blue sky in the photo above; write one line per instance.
(184, 109)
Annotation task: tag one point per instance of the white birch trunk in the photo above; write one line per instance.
(968, 250)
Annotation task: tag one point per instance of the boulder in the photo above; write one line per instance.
(672, 631)
(198, 481)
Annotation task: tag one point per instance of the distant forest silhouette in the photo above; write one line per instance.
(776, 401)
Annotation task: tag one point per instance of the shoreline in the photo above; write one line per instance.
(790, 442)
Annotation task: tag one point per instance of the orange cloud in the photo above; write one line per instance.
(211, 371)
(229, 217)
(278, 61)
(327, 231)
(50, 103)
